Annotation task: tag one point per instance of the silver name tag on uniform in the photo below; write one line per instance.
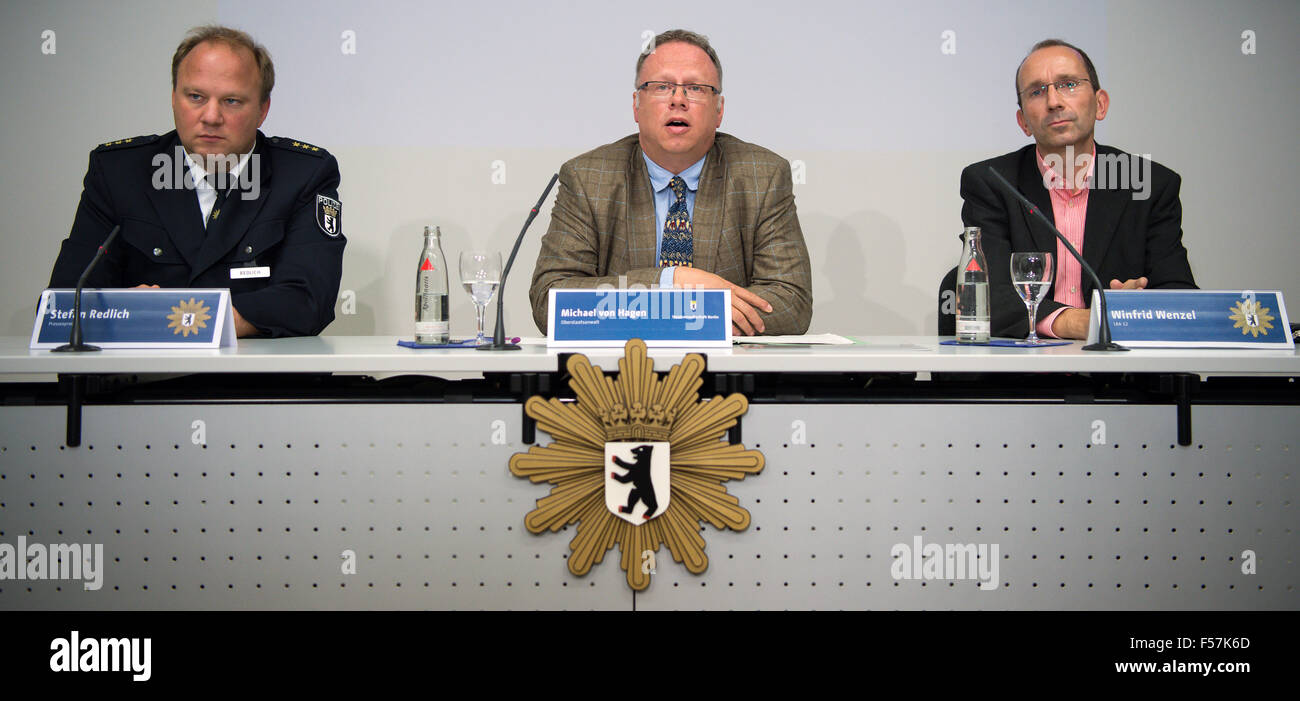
(250, 272)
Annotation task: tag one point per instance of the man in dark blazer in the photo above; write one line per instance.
(734, 228)
(1124, 210)
(216, 203)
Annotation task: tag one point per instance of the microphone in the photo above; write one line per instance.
(499, 334)
(1103, 332)
(74, 344)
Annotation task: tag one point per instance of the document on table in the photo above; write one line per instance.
(816, 339)
(821, 339)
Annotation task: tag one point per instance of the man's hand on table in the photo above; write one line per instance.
(745, 305)
(1073, 323)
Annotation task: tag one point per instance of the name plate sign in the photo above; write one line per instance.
(137, 318)
(660, 317)
(1195, 319)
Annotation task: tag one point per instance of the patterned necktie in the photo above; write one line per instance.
(678, 247)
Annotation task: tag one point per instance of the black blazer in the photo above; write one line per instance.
(1129, 232)
(163, 241)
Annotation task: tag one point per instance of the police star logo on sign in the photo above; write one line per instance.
(188, 317)
(329, 215)
(636, 487)
(1251, 317)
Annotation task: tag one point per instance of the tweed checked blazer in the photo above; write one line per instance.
(745, 228)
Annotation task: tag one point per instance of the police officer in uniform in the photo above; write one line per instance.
(216, 203)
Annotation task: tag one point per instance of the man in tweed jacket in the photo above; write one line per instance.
(613, 201)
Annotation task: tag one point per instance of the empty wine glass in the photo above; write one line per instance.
(480, 273)
(1031, 275)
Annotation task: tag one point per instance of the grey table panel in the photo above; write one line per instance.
(259, 518)
(1134, 523)
(380, 354)
(422, 495)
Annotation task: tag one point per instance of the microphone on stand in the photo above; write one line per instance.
(1103, 331)
(499, 334)
(74, 344)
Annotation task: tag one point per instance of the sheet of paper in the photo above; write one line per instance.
(815, 339)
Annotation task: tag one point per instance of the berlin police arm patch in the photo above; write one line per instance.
(329, 215)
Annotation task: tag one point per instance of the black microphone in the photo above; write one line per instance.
(499, 335)
(74, 344)
(1103, 332)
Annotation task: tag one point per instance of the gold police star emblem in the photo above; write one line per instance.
(633, 416)
(1251, 317)
(188, 317)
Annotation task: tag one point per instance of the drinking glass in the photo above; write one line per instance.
(1031, 275)
(480, 273)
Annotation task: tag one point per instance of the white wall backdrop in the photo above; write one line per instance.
(439, 97)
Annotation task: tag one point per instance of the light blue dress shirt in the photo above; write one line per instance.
(659, 179)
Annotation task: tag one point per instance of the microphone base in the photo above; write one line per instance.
(1108, 346)
(502, 347)
(77, 348)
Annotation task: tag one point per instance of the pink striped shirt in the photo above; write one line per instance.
(1069, 211)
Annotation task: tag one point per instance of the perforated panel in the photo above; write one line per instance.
(257, 517)
(1134, 522)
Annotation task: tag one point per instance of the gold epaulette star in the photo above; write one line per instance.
(130, 141)
(299, 146)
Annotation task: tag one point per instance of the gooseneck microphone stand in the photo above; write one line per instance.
(499, 334)
(74, 344)
(1104, 342)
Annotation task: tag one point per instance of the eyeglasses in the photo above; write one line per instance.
(661, 90)
(1065, 87)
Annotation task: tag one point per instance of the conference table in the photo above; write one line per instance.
(350, 473)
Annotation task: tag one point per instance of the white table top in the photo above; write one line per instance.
(381, 354)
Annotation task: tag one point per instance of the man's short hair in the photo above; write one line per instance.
(233, 38)
(1047, 43)
(685, 36)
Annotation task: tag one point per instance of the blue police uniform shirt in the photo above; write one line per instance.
(659, 179)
